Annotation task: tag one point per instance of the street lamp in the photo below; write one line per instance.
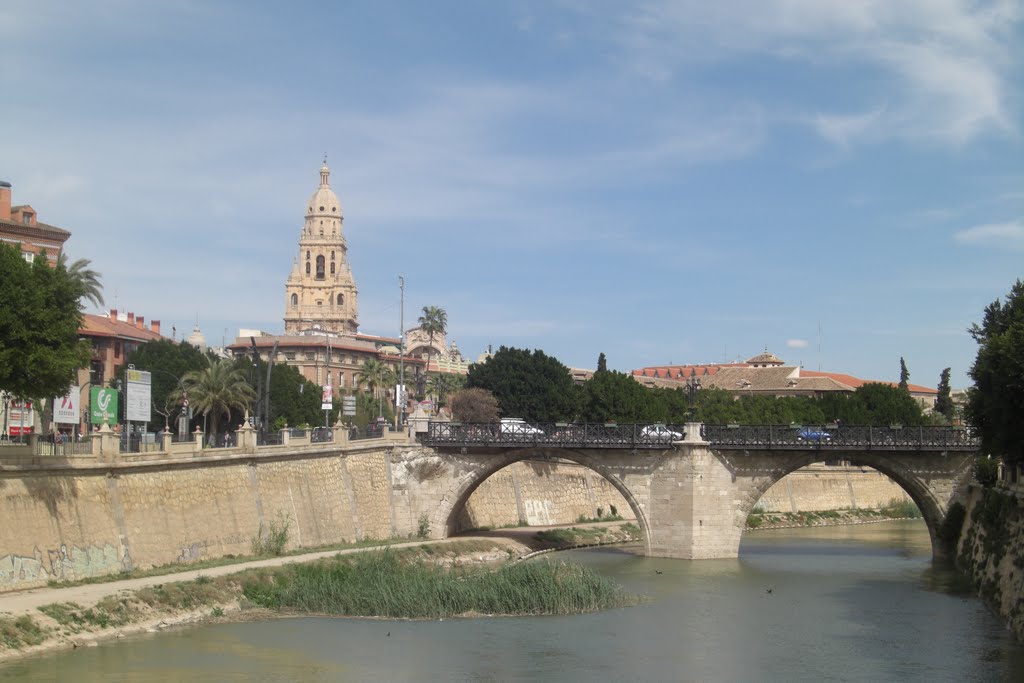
(692, 387)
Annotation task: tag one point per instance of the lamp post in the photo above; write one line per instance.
(7, 405)
(401, 348)
(692, 387)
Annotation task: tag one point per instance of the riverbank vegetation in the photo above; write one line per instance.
(896, 509)
(383, 585)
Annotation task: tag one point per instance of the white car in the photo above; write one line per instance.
(518, 428)
(659, 434)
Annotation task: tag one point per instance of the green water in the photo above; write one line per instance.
(858, 603)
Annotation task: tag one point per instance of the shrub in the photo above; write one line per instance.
(986, 471)
(273, 539)
(423, 530)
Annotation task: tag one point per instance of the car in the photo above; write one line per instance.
(660, 434)
(519, 429)
(322, 435)
(813, 435)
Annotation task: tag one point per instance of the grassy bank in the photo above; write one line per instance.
(896, 509)
(381, 584)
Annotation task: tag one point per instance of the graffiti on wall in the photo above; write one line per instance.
(64, 563)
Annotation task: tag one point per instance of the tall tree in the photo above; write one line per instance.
(169, 363)
(527, 384)
(944, 401)
(602, 363)
(376, 376)
(904, 375)
(996, 402)
(84, 278)
(441, 384)
(434, 322)
(39, 320)
(217, 389)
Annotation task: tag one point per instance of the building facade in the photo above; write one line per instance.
(321, 321)
(20, 225)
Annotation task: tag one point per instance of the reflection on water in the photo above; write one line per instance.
(832, 603)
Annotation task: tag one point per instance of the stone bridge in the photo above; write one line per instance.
(691, 497)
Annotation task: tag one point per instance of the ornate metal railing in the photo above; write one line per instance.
(760, 437)
(557, 435)
(831, 437)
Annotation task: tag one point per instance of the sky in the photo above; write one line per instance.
(839, 182)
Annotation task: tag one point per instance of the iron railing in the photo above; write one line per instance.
(557, 435)
(761, 437)
(830, 437)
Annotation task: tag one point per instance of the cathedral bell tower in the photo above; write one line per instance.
(320, 293)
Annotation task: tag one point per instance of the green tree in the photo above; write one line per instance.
(884, 404)
(39, 321)
(441, 384)
(376, 376)
(602, 363)
(168, 362)
(217, 389)
(527, 384)
(904, 375)
(944, 401)
(84, 278)
(617, 397)
(995, 403)
(474, 405)
(434, 322)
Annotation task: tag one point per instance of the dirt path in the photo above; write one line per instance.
(27, 602)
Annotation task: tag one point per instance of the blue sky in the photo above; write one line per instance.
(660, 181)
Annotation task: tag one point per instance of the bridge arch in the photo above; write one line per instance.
(446, 516)
(932, 484)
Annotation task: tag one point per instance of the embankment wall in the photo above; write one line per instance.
(991, 551)
(68, 523)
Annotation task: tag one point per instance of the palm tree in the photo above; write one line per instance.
(434, 322)
(442, 384)
(85, 279)
(376, 375)
(216, 389)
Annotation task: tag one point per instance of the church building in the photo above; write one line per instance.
(321, 312)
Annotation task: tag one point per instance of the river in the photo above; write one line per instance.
(850, 603)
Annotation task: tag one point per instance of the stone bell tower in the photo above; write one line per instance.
(320, 293)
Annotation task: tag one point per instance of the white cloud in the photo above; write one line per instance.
(999, 235)
(942, 69)
(796, 343)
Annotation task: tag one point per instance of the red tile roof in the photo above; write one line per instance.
(103, 326)
(856, 382)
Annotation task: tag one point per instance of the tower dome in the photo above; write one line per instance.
(324, 202)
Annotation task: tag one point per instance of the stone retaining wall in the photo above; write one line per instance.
(68, 523)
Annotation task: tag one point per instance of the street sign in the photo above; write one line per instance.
(104, 405)
(137, 395)
(348, 405)
(65, 408)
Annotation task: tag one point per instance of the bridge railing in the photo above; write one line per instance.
(558, 435)
(761, 437)
(845, 437)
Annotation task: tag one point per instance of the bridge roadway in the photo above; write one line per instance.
(693, 488)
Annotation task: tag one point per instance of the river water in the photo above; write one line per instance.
(852, 603)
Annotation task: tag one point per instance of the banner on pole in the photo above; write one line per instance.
(327, 397)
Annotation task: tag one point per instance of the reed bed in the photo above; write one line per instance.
(382, 585)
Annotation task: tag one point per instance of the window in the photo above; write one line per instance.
(307, 255)
(332, 267)
(289, 355)
(332, 255)
(320, 302)
(28, 256)
(307, 267)
(319, 267)
(26, 218)
(341, 299)
(310, 355)
(295, 299)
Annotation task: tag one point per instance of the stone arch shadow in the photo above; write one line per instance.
(446, 516)
(933, 507)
